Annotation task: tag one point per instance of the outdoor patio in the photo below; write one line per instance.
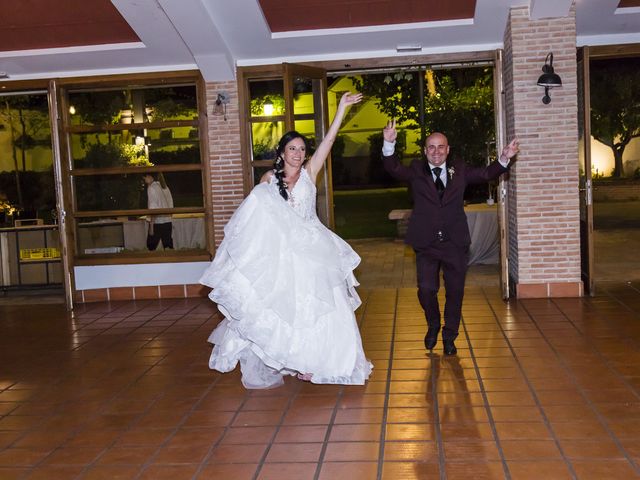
(540, 389)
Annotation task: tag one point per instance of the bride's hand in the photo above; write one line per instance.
(350, 98)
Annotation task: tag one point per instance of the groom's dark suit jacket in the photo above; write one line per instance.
(430, 214)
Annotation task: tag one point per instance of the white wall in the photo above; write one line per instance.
(109, 276)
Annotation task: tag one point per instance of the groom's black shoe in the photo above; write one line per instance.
(431, 338)
(449, 347)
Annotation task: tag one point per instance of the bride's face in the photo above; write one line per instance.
(295, 153)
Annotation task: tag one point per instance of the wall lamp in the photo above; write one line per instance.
(548, 79)
(220, 105)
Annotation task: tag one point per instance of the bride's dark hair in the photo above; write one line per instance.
(278, 165)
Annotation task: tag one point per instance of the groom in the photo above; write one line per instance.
(438, 230)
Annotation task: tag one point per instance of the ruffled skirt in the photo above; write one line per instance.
(286, 288)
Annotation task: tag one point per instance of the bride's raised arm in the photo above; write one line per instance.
(322, 152)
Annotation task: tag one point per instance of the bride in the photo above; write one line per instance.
(284, 282)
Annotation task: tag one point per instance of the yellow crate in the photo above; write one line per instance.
(39, 253)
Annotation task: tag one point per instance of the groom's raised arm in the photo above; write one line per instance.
(389, 159)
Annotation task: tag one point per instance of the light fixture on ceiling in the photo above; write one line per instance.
(548, 79)
(412, 47)
(220, 105)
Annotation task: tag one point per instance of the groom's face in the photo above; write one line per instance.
(436, 149)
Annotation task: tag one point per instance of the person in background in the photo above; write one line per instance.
(160, 226)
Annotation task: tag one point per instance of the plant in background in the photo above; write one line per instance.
(258, 105)
(615, 105)
(8, 209)
(135, 155)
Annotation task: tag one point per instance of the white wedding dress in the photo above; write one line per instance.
(285, 285)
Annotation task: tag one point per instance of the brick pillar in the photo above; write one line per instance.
(543, 208)
(225, 160)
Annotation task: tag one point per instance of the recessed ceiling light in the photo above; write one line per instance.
(416, 47)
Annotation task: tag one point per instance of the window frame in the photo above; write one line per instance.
(69, 173)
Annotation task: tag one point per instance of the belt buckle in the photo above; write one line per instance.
(440, 235)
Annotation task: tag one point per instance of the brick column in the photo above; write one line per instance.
(543, 208)
(225, 160)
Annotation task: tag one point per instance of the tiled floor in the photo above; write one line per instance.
(540, 389)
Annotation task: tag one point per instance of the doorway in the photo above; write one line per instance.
(30, 254)
(610, 164)
(463, 99)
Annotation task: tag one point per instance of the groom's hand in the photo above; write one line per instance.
(389, 133)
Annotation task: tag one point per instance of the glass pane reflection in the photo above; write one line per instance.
(127, 192)
(136, 148)
(129, 234)
(133, 105)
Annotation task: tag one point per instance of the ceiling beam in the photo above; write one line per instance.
(549, 8)
(196, 26)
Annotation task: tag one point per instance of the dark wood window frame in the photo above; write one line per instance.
(69, 173)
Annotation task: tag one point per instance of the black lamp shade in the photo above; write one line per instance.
(548, 78)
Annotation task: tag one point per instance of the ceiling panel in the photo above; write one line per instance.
(294, 15)
(34, 24)
(629, 3)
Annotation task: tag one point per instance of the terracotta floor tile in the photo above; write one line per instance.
(352, 452)
(182, 454)
(410, 471)
(251, 453)
(195, 437)
(300, 452)
(592, 449)
(530, 450)
(538, 469)
(9, 473)
(55, 472)
(522, 430)
(22, 457)
(247, 435)
(410, 415)
(610, 468)
(126, 455)
(579, 429)
(111, 472)
(288, 471)
(355, 433)
(359, 415)
(471, 450)
(457, 414)
(348, 470)
(410, 431)
(257, 418)
(475, 470)
(169, 472)
(221, 471)
(411, 451)
(466, 431)
(516, 414)
(300, 433)
(73, 456)
(560, 397)
(144, 436)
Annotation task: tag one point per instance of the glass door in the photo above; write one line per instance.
(584, 152)
(306, 110)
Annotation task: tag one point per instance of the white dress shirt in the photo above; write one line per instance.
(159, 197)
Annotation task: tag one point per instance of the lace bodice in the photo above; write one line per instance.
(303, 196)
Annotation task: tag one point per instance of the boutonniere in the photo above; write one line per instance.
(451, 171)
